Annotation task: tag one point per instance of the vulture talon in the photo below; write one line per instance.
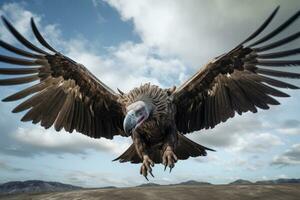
(169, 158)
(165, 167)
(146, 167)
(150, 172)
(146, 178)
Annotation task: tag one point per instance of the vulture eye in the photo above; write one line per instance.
(139, 112)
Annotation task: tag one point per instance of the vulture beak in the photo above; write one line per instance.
(129, 123)
(132, 120)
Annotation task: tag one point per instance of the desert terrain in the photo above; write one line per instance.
(182, 192)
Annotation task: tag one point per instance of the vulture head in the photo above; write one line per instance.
(137, 113)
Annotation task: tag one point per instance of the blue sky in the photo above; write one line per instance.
(126, 43)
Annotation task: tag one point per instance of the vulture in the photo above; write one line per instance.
(63, 94)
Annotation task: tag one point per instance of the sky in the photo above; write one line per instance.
(126, 43)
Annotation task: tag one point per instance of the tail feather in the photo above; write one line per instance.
(187, 148)
(130, 155)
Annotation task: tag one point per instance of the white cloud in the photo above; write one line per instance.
(97, 3)
(7, 167)
(50, 141)
(290, 127)
(290, 157)
(19, 17)
(256, 142)
(290, 131)
(229, 133)
(182, 27)
(132, 63)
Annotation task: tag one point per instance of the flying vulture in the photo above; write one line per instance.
(67, 96)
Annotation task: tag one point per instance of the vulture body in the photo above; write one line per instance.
(67, 96)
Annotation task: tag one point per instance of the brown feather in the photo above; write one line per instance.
(19, 80)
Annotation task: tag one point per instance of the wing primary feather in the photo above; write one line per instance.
(34, 114)
(220, 100)
(261, 90)
(63, 114)
(24, 93)
(69, 119)
(277, 83)
(34, 100)
(214, 107)
(277, 63)
(262, 27)
(18, 71)
(19, 51)
(85, 121)
(227, 100)
(81, 117)
(277, 73)
(247, 101)
(277, 30)
(19, 80)
(267, 89)
(17, 61)
(279, 54)
(74, 119)
(21, 39)
(254, 95)
(218, 105)
(97, 126)
(40, 37)
(278, 43)
(38, 111)
(235, 94)
(207, 112)
(89, 123)
(52, 101)
(68, 122)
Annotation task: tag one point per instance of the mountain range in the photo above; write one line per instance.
(37, 186)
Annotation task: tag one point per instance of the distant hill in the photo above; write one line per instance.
(266, 182)
(148, 185)
(237, 182)
(191, 182)
(241, 182)
(279, 181)
(34, 186)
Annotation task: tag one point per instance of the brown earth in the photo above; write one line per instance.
(211, 192)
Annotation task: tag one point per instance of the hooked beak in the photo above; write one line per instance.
(131, 122)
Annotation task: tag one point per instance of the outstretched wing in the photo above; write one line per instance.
(66, 95)
(238, 81)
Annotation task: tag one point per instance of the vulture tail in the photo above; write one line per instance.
(186, 148)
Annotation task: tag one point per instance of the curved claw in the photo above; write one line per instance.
(150, 172)
(169, 159)
(146, 167)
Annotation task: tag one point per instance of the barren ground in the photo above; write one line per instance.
(224, 192)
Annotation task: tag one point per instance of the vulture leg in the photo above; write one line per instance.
(140, 146)
(169, 158)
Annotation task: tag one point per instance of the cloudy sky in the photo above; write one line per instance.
(126, 43)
